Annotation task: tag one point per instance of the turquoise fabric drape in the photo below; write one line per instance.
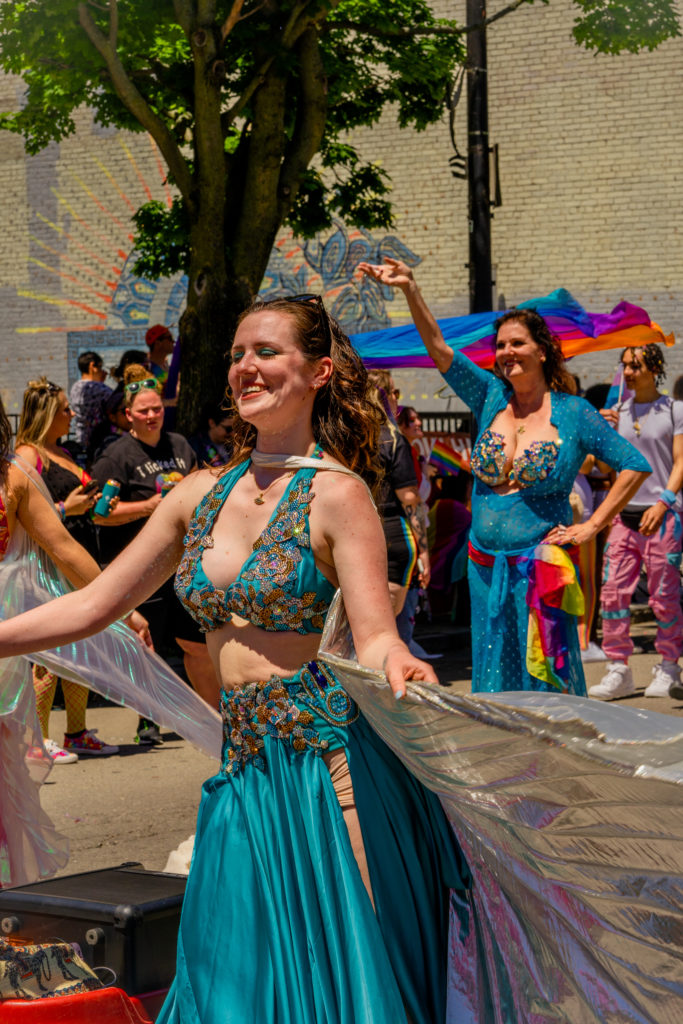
(277, 926)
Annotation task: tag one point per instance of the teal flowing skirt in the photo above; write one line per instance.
(277, 926)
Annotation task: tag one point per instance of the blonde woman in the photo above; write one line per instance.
(45, 419)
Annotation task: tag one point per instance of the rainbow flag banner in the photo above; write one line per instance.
(449, 460)
(579, 332)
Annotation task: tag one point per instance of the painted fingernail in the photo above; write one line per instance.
(398, 694)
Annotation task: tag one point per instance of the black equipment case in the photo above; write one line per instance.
(124, 918)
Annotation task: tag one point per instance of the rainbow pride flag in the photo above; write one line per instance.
(579, 332)
(448, 460)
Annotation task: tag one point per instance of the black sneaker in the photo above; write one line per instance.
(148, 734)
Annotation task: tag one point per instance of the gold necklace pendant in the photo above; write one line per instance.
(259, 500)
(636, 427)
(520, 430)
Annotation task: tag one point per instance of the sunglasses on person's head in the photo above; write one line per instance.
(138, 385)
(322, 312)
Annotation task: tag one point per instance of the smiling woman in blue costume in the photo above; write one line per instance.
(534, 435)
(319, 885)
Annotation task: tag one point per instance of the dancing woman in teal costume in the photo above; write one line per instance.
(534, 435)
(319, 886)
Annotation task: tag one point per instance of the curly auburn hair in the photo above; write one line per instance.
(652, 357)
(346, 421)
(557, 376)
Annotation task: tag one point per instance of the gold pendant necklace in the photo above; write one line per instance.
(520, 430)
(258, 500)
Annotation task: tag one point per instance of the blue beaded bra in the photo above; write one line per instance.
(279, 587)
(534, 464)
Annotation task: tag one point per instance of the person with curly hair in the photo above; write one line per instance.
(646, 533)
(533, 435)
(319, 884)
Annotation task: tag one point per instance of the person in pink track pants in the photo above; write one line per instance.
(646, 533)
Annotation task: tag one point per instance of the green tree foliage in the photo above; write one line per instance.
(251, 103)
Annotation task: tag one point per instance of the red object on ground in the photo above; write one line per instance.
(104, 1005)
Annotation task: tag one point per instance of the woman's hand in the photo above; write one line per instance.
(652, 519)
(579, 533)
(151, 504)
(391, 272)
(611, 415)
(139, 624)
(400, 665)
(79, 501)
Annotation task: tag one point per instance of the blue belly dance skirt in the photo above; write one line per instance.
(277, 926)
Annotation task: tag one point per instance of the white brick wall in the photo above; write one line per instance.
(591, 165)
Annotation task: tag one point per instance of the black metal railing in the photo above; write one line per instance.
(446, 422)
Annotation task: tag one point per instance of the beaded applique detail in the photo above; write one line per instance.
(321, 690)
(263, 592)
(488, 458)
(258, 710)
(534, 464)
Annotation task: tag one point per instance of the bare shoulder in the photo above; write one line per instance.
(192, 488)
(28, 453)
(341, 495)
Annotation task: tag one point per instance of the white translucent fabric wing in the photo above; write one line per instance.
(569, 813)
(114, 662)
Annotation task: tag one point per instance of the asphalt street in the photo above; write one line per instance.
(141, 803)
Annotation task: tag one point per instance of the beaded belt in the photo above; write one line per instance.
(284, 709)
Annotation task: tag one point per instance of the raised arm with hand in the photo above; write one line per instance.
(398, 275)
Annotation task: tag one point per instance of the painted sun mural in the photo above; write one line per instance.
(81, 256)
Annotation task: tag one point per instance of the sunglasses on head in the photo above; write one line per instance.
(137, 385)
(317, 300)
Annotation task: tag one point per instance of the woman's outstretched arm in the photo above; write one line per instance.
(131, 578)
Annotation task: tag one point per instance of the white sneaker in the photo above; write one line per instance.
(664, 675)
(593, 653)
(617, 682)
(58, 755)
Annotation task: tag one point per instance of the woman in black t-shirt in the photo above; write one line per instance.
(146, 463)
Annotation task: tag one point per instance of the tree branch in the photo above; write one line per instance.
(113, 23)
(288, 38)
(138, 106)
(310, 122)
(232, 19)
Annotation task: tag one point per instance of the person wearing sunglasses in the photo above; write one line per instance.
(142, 462)
(317, 888)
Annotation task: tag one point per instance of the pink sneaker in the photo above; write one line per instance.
(88, 743)
(58, 755)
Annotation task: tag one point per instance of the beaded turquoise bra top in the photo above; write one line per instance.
(279, 587)
(534, 464)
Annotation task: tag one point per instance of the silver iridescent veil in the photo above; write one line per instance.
(570, 816)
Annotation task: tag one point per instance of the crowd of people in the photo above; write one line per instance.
(621, 519)
(233, 543)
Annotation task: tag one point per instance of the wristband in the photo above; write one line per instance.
(61, 509)
(667, 498)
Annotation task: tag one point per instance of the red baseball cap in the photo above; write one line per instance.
(155, 333)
